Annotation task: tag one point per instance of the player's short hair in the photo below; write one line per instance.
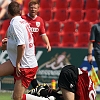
(14, 8)
(34, 2)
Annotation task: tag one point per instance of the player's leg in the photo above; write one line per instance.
(68, 95)
(34, 82)
(19, 90)
(6, 68)
(32, 97)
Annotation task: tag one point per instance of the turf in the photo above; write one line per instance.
(7, 96)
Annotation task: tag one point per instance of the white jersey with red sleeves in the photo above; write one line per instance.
(19, 33)
(36, 24)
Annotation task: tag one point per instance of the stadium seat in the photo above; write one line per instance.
(61, 4)
(69, 26)
(92, 15)
(68, 40)
(83, 39)
(46, 14)
(4, 28)
(40, 42)
(84, 26)
(90, 4)
(76, 15)
(54, 38)
(54, 26)
(77, 4)
(25, 6)
(45, 4)
(61, 14)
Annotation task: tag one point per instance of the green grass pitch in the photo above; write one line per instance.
(7, 96)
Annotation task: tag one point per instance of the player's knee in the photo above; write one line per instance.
(17, 97)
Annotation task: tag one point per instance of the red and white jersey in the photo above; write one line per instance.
(85, 87)
(36, 24)
(19, 33)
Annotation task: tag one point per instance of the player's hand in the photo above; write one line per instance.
(89, 58)
(18, 72)
(48, 48)
(4, 44)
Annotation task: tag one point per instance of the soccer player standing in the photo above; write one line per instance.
(22, 63)
(37, 27)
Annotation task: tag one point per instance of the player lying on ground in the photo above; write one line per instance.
(74, 83)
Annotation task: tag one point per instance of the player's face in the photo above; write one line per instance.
(33, 9)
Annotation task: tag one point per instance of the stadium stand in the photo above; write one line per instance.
(61, 4)
(25, 7)
(90, 4)
(77, 4)
(40, 42)
(68, 40)
(54, 38)
(92, 15)
(83, 39)
(84, 26)
(63, 17)
(76, 15)
(46, 14)
(46, 4)
(61, 14)
(69, 26)
(54, 26)
(4, 28)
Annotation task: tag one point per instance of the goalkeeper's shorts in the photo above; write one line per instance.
(68, 78)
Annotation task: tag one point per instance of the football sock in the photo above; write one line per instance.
(34, 83)
(32, 97)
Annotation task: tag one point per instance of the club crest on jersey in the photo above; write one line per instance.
(37, 24)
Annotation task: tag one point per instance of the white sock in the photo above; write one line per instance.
(32, 97)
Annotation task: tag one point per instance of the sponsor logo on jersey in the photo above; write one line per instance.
(34, 29)
(38, 24)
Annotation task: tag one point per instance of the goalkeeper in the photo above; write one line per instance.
(74, 84)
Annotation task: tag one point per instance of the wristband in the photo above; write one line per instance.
(89, 54)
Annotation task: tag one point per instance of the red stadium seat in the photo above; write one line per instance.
(83, 39)
(84, 26)
(68, 40)
(54, 26)
(76, 15)
(25, 6)
(92, 15)
(77, 4)
(39, 42)
(61, 14)
(90, 4)
(45, 4)
(61, 4)
(69, 26)
(4, 28)
(46, 14)
(54, 38)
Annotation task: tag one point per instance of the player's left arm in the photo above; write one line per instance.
(46, 40)
(44, 36)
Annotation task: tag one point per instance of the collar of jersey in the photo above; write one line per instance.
(31, 17)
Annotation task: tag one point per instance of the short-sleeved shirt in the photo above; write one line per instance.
(36, 24)
(95, 36)
(19, 33)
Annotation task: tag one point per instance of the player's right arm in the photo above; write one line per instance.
(4, 44)
(89, 56)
